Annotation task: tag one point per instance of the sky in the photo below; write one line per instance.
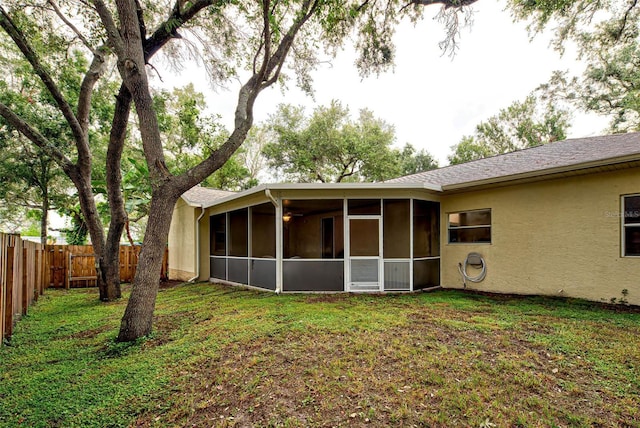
(431, 99)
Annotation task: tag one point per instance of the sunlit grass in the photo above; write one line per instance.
(223, 356)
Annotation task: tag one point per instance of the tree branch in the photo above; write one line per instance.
(266, 34)
(30, 55)
(71, 26)
(623, 24)
(109, 24)
(244, 108)
(140, 14)
(37, 138)
(277, 60)
(114, 156)
(446, 3)
(96, 70)
(167, 30)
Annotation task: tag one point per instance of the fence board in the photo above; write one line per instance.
(21, 270)
(3, 290)
(73, 266)
(9, 295)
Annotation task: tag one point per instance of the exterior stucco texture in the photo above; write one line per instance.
(558, 237)
(182, 242)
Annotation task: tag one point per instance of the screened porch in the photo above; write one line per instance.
(329, 245)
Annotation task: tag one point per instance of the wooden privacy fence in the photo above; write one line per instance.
(22, 279)
(28, 268)
(74, 265)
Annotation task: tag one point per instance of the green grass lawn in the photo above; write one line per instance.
(225, 356)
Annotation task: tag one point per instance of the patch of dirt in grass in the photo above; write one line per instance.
(507, 297)
(327, 298)
(425, 374)
(164, 325)
(91, 333)
(170, 283)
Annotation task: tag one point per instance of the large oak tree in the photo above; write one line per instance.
(330, 146)
(607, 37)
(519, 126)
(254, 41)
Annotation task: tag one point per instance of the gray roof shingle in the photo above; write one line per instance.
(541, 159)
(204, 196)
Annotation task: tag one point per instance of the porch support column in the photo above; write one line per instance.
(277, 203)
(346, 243)
(411, 244)
(279, 246)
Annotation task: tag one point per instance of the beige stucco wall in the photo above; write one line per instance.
(558, 237)
(205, 246)
(182, 242)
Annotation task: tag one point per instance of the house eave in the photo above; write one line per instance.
(325, 186)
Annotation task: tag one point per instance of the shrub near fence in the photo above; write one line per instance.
(22, 279)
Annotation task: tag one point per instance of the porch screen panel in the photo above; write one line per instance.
(363, 206)
(363, 237)
(238, 233)
(397, 275)
(263, 231)
(426, 229)
(218, 267)
(218, 242)
(396, 229)
(426, 273)
(313, 275)
(364, 270)
(263, 273)
(303, 234)
(238, 270)
(328, 238)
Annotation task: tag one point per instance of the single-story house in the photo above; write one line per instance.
(559, 219)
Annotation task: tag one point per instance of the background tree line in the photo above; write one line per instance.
(327, 145)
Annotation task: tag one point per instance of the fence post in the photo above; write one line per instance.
(25, 282)
(67, 281)
(8, 312)
(38, 268)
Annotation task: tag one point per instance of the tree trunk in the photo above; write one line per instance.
(110, 260)
(110, 272)
(108, 291)
(44, 220)
(138, 317)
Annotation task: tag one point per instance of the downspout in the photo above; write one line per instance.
(268, 194)
(198, 245)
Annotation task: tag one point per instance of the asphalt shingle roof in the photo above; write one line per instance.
(199, 195)
(566, 153)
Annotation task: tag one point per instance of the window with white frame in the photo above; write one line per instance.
(469, 227)
(631, 225)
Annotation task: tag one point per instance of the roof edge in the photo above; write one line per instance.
(541, 173)
(324, 186)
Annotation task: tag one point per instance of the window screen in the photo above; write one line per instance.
(631, 225)
(218, 235)
(470, 226)
(238, 233)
